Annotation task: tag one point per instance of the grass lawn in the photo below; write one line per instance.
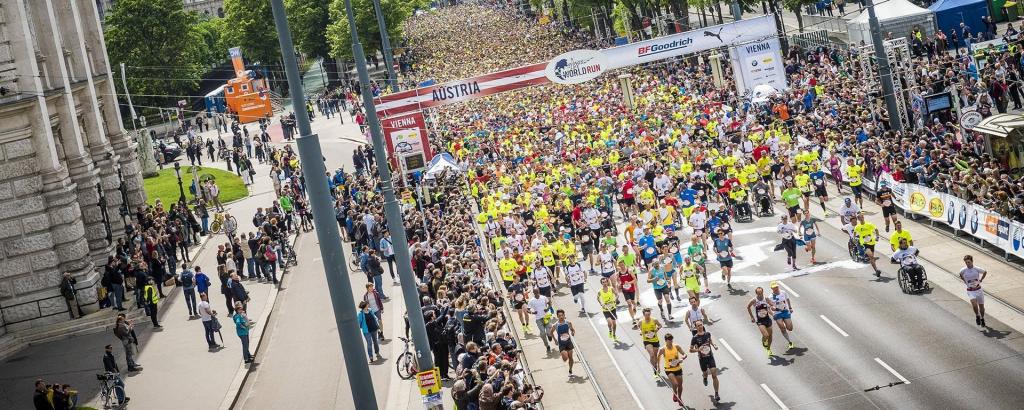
(165, 185)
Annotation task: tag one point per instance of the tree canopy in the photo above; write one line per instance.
(395, 12)
(251, 27)
(308, 20)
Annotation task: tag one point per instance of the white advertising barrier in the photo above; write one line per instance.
(760, 63)
(753, 30)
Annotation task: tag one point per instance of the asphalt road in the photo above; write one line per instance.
(853, 332)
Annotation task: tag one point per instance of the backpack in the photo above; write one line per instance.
(270, 255)
(187, 279)
(451, 329)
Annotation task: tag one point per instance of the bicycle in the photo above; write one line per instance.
(224, 221)
(111, 391)
(288, 253)
(406, 363)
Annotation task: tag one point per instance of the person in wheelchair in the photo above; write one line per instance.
(738, 195)
(906, 256)
(762, 194)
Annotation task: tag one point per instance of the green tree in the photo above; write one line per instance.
(158, 41)
(251, 26)
(212, 32)
(308, 20)
(395, 13)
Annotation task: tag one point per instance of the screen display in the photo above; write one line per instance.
(938, 102)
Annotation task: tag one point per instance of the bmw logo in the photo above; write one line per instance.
(974, 222)
(753, 63)
(1016, 237)
(950, 213)
(963, 216)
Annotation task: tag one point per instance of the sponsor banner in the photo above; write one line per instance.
(760, 63)
(460, 90)
(576, 67)
(694, 41)
(406, 139)
(1015, 245)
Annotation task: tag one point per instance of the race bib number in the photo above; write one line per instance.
(629, 191)
(705, 350)
(649, 335)
(761, 191)
(519, 297)
(809, 231)
(762, 313)
(649, 251)
(973, 284)
(723, 254)
(725, 226)
(674, 363)
(819, 182)
(660, 282)
(886, 203)
(564, 337)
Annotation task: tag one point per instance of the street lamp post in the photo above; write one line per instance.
(884, 70)
(392, 211)
(385, 41)
(331, 251)
(181, 188)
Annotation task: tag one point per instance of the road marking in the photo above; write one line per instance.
(789, 289)
(615, 363)
(774, 397)
(834, 326)
(729, 348)
(893, 371)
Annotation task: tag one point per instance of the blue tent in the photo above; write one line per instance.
(950, 13)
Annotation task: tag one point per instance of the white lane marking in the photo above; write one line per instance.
(893, 371)
(789, 289)
(729, 348)
(616, 364)
(774, 397)
(834, 326)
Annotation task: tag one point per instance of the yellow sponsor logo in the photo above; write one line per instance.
(917, 202)
(936, 207)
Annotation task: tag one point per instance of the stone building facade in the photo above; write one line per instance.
(63, 148)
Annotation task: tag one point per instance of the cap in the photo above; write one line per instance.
(773, 284)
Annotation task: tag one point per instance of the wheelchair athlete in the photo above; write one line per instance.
(906, 256)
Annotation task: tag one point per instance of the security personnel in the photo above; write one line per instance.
(152, 297)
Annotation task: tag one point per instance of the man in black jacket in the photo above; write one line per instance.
(110, 365)
(67, 289)
(238, 292)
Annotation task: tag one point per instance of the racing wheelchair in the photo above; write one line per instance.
(765, 208)
(906, 274)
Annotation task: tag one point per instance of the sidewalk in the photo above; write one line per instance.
(943, 256)
(179, 371)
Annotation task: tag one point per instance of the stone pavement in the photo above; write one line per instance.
(942, 256)
(179, 371)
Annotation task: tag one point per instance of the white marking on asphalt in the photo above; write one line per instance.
(789, 289)
(893, 371)
(616, 364)
(834, 326)
(729, 348)
(317, 259)
(774, 397)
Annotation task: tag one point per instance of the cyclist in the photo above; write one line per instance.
(783, 311)
(810, 230)
(627, 282)
(973, 276)
(114, 375)
(907, 258)
(724, 252)
(563, 332)
(660, 282)
(702, 343)
(674, 357)
(576, 277)
(695, 314)
(867, 233)
(649, 328)
(763, 320)
(606, 298)
(899, 234)
(885, 200)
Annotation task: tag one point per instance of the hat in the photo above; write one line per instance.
(774, 284)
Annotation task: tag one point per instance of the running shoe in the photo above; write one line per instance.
(791, 345)
(717, 399)
(769, 350)
(615, 338)
(705, 380)
(983, 322)
(656, 376)
(878, 273)
(977, 320)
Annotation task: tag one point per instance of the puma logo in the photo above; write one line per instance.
(717, 35)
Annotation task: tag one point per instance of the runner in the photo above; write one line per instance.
(853, 173)
(695, 314)
(606, 298)
(783, 311)
(724, 252)
(885, 200)
(517, 292)
(973, 276)
(576, 277)
(762, 308)
(674, 357)
(660, 282)
(848, 211)
(867, 233)
(649, 328)
(702, 343)
(788, 231)
(563, 332)
(791, 196)
(810, 229)
(899, 234)
(698, 221)
(627, 282)
(540, 305)
(697, 253)
(690, 274)
(820, 189)
(541, 279)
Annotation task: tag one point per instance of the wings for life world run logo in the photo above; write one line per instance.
(576, 67)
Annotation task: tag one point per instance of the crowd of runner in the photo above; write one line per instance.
(570, 182)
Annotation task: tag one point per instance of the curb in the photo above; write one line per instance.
(235, 388)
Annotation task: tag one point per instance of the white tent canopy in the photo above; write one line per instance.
(896, 16)
(440, 163)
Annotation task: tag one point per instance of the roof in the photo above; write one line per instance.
(1000, 125)
(892, 9)
(952, 4)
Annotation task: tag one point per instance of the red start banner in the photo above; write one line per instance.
(406, 139)
(460, 90)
